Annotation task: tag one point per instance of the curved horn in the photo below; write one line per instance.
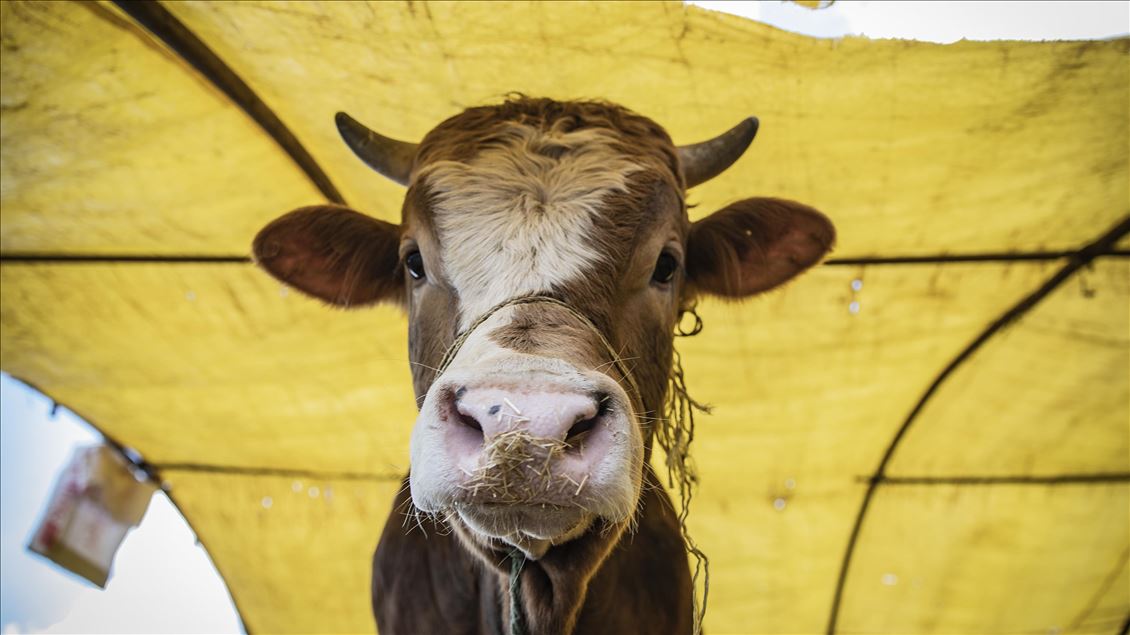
(706, 160)
(390, 157)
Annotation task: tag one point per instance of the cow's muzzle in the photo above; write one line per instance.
(527, 449)
(508, 447)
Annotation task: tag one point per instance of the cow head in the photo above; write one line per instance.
(544, 256)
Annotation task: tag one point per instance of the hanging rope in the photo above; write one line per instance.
(517, 620)
(675, 437)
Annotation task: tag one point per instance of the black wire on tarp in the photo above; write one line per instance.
(163, 24)
(1077, 261)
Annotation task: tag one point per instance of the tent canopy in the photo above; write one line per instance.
(927, 434)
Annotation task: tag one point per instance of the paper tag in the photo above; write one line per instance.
(96, 502)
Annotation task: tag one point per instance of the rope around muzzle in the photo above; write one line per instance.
(674, 434)
(457, 345)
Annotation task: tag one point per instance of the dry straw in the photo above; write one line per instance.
(516, 467)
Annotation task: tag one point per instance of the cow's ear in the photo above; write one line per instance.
(334, 254)
(754, 245)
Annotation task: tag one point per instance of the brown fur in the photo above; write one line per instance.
(755, 245)
(461, 137)
(432, 577)
(550, 330)
(332, 253)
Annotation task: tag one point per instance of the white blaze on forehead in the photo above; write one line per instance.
(519, 217)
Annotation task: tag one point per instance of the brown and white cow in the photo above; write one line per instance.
(544, 256)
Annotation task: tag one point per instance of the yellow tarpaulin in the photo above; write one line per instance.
(963, 180)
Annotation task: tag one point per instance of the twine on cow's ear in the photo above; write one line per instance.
(695, 330)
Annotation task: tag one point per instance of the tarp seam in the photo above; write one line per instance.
(1055, 479)
(272, 471)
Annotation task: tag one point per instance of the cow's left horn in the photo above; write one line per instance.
(390, 157)
(706, 160)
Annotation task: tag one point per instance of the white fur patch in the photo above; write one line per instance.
(518, 218)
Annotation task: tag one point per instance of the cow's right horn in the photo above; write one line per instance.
(390, 157)
(706, 160)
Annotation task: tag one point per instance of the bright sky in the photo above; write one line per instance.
(941, 21)
(162, 581)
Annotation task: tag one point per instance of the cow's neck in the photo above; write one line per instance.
(425, 580)
(552, 588)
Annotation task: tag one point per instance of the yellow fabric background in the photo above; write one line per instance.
(112, 145)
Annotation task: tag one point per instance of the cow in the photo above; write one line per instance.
(544, 257)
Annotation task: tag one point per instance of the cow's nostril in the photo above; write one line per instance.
(603, 403)
(576, 434)
(471, 422)
(579, 430)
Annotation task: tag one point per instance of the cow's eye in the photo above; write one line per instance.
(665, 268)
(414, 262)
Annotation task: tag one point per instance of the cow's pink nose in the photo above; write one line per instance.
(566, 416)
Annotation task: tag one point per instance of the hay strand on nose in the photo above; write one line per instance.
(517, 467)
